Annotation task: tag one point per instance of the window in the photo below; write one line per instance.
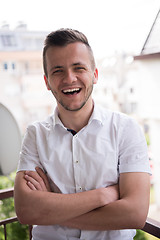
(8, 40)
(13, 66)
(5, 66)
(9, 66)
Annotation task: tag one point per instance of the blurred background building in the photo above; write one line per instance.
(22, 88)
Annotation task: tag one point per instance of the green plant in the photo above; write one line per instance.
(15, 231)
(147, 139)
(140, 235)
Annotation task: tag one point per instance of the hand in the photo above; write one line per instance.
(109, 194)
(113, 193)
(37, 180)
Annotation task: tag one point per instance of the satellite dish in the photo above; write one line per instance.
(10, 141)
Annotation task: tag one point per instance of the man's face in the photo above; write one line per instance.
(70, 75)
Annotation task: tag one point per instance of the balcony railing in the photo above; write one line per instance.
(152, 227)
(7, 193)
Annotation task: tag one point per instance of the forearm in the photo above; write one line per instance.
(117, 215)
(44, 208)
(98, 209)
(130, 211)
(47, 208)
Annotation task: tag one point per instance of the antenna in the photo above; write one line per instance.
(10, 141)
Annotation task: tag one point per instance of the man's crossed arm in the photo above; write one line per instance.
(115, 207)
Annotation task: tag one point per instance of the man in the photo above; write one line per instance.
(83, 172)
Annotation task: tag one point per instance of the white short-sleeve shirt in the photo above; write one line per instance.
(110, 144)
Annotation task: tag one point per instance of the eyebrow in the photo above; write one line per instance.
(78, 63)
(60, 67)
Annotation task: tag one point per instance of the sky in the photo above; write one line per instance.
(110, 25)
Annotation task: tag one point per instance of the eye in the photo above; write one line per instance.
(57, 71)
(80, 68)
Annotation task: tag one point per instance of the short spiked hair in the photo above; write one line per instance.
(63, 37)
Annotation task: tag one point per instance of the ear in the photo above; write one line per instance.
(46, 82)
(95, 76)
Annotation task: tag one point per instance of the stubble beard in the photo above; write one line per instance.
(90, 90)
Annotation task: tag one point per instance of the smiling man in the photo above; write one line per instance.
(84, 171)
(70, 76)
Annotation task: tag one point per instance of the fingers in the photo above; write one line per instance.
(31, 186)
(35, 181)
(44, 177)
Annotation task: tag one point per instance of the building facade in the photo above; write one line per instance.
(21, 74)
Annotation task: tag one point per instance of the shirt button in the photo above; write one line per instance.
(80, 188)
(77, 161)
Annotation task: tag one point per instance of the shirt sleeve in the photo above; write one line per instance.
(133, 150)
(29, 158)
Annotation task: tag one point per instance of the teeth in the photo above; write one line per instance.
(71, 90)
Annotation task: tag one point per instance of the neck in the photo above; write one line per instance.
(76, 120)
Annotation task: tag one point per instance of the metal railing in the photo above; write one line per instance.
(8, 193)
(152, 226)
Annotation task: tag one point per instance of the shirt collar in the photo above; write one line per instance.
(97, 115)
(57, 120)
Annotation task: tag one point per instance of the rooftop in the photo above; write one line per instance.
(20, 39)
(152, 43)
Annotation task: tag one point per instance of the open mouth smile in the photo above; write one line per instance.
(71, 91)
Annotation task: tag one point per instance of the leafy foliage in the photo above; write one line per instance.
(140, 235)
(15, 231)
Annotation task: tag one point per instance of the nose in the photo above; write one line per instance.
(70, 77)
